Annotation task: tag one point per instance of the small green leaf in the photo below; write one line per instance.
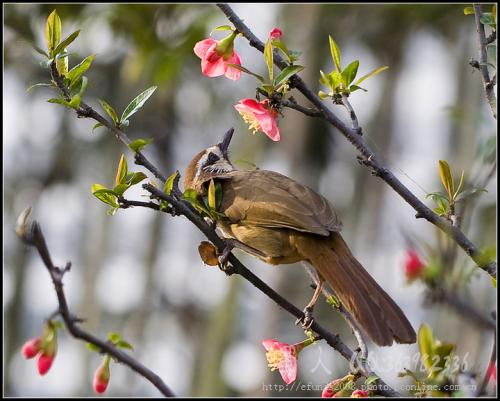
(109, 111)
(294, 55)
(138, 144)
(62, 65)
(120, 189)
(447, 178)
(468, 10)
(350, 72)
(65, 43)
(459, 185)
(97, 126)
(335, 51)
(104, 195)
(268, 56)
(112, 211)
(93, 347)
(53, 31)
(170, 183)
(59, 101)
(124, 344)
(121, 172)
(371, 379)
(137, 178)
(221, 28)
(333, 301)
(487, 19)
(324, 95)
(286, 73)
(247, 71)
(353, 88)
(38, 50)
(39, 85)
(426, 344)
(114, 337)
(75, 101)
(370, 74)
(57, 325)
(137, 103)
(468, 193)
(79, 69)
(211, 195)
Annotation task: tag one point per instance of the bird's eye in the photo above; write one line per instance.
(212, 158)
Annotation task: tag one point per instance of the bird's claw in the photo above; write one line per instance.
(307, 320)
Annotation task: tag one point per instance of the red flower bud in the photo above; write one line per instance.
(101, 376)
(413, 265)
(32, 347)
(275, 33)
(359, 394)
(44, 363)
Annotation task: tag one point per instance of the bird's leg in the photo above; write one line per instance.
(232, 243)
(307, 319)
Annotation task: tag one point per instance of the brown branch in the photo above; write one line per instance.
(182, 207)
(367, 156)
(483, 60)
(33, 236)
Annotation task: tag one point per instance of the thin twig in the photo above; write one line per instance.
(367, 156)
(33, 236)
(352, 114)
(483, 60)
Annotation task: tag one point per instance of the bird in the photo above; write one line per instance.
(281, 221)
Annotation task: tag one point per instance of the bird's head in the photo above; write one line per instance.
(209, 163)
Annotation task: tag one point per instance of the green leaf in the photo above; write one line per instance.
(426, 344)
(494, 282)
(370, 74)
(245, 70)
(114, 337)
(447, 178)
(468, 193)
(353, 88)
(121, 172)
(468, 10)
(75, 101)
(65, 43)
(79, 69)
(211, 195)
(40, 85)
(335, 51)
(324, 95)
(222, 28)
(137, 178)
(137, 103)
(124, 344)
(57, 325)
(371, 379)
(112, 211)
(93, 347)
(120, 189)
(487, 19)
(350, 72)
(138, 144)
(268, 56)
(286, 73)
(442, 352)
(105, 195)
(109, 111)
(38, 50)
(53, 31)
(62, 65)
(97, 126)
(459, 185)
(294, 55)
(170, 183)
(59, 101)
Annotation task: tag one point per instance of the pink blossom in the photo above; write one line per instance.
(359, 394)
(491, 372)
(216, 57)
(338, 387)
(413, 265)
(32, 347)
(275, 33)
(259, 116)
(282, 356)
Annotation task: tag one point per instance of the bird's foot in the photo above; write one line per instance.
(307, 320)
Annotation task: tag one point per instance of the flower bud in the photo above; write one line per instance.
(44, 363)
(359, 394)
(101, 376)
(32, 347)
(275, 33)
(413, 265)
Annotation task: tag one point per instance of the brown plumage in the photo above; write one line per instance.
(286, 222)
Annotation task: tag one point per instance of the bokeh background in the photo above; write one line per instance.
(139, 273)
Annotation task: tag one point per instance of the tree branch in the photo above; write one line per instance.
(33, 236)
(367, 156)
(483, 61)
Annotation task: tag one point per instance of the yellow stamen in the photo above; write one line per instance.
(275, 358)
(249, 118)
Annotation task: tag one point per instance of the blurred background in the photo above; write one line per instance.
(139, 272)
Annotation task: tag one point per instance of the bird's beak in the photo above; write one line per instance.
(224, 145)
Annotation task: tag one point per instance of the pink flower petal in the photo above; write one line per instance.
(269, 344)
(275, 33)
(231, 72)
(201, 48)
(251, 105)
(213, 69)
(288, 370)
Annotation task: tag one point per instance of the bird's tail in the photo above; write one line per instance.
(377, 314)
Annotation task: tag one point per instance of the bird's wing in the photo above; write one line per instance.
(268, 199)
